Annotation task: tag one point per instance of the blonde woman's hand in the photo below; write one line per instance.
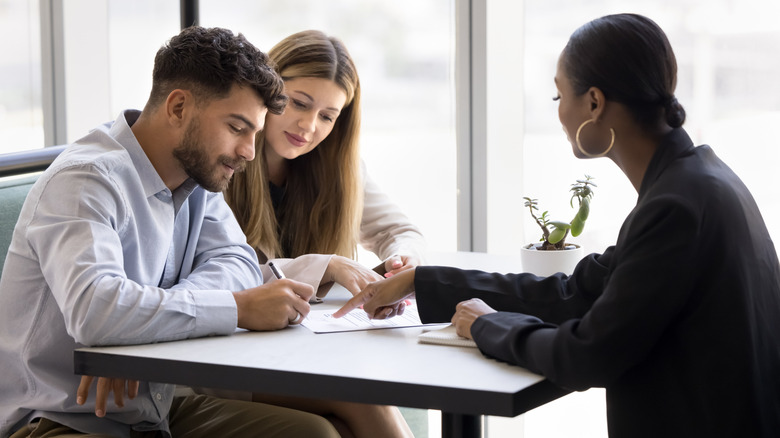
(398, 263)
(350, 274)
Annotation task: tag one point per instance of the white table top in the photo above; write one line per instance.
(386, 366)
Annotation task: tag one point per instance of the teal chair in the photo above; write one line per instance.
(417, 419)
(18, 172)
(12, 194)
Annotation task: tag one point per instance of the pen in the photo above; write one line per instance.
(280, 275)
(277, 271)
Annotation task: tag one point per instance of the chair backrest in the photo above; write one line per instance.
(12, 195)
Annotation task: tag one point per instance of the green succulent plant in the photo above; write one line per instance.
(554, 233)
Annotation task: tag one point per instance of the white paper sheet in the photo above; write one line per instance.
(322, 321)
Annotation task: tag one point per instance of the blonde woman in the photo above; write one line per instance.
(306, 200)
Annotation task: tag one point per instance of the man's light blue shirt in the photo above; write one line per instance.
(104, 254)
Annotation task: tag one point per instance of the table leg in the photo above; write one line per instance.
(461, 426)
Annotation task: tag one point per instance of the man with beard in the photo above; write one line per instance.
(126, 239)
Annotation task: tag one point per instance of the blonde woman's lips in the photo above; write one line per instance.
(295, 140)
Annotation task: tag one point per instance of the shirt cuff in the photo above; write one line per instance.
(216, 313)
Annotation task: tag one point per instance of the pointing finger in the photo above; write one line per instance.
(354, 302)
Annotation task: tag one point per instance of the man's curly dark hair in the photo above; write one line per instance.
(208, 62)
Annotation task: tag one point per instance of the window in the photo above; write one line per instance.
(727, 65)
(21, 116)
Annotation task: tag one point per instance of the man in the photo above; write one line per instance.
(125, 239)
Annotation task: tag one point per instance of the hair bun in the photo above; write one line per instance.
(675, 113)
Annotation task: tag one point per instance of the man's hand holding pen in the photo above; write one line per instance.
(274, 305)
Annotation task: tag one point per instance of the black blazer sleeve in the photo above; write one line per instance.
(555, 299)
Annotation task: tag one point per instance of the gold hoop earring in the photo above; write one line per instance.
(586, 153)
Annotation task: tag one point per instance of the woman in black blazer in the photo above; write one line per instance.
(680, 320)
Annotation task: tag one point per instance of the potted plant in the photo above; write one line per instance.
(553, 254)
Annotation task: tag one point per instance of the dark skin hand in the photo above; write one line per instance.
(386, 298)
(466, 312)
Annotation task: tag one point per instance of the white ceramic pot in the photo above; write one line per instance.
(545, 263)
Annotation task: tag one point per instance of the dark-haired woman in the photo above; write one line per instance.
(680, 320)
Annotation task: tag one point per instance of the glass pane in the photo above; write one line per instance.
(405, 62)
(21, 116)
(131, 53)
(107, 61)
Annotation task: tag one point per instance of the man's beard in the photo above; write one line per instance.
(194, 159)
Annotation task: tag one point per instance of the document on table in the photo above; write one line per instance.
(322, 321)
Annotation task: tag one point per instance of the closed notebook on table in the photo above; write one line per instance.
(445, 336)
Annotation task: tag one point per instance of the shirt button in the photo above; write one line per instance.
(158, 396)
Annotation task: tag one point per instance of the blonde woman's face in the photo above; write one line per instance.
(313, 107)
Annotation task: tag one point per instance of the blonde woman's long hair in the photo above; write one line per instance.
(322, 205)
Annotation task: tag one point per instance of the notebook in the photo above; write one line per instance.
(445, 336)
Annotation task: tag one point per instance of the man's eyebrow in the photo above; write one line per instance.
(246, 121)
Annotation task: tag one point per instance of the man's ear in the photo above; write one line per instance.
(178, 106)
(596, 102)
